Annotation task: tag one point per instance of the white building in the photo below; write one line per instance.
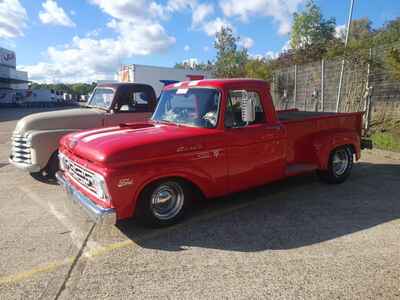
(158, 76)
(13, 83)
(10, 77)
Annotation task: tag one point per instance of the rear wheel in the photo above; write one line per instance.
(48, 173)
(164, 203)
(339, 165)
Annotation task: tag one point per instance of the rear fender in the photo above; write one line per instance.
(327, 141)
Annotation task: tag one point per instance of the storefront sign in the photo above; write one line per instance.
(7, 58)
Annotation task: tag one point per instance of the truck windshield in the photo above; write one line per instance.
(189, 106)
(101, 98)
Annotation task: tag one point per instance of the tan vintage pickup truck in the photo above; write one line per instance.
(36, 137)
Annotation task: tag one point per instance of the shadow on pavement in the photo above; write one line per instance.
(293, 213)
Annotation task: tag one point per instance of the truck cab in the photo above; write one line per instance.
(36, 137)
(206, 139)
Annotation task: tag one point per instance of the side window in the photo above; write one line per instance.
(233, 116)
(135, 102)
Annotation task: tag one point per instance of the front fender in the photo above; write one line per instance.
(325, 142)
(125, 198)
(43, 144)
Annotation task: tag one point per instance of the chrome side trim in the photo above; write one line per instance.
(99, 215)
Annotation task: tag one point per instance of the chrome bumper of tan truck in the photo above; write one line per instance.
(99, 215)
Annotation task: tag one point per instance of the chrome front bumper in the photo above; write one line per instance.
(100, 215)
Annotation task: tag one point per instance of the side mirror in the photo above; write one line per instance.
(247, 107)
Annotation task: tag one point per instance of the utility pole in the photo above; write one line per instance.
(343, 61)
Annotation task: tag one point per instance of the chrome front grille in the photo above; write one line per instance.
(82, 175)
(20, 150)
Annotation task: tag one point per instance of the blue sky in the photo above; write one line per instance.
(85, 40)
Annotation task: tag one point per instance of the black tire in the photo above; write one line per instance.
(336, 174)
(48, 173)
(151, 214)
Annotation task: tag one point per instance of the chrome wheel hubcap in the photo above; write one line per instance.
(167, 200)
(340, 162)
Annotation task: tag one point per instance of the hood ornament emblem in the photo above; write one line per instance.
(72, 142)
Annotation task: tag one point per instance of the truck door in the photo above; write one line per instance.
(130, 107)
(255, 151)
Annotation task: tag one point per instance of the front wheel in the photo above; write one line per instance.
(164, 203)
(339, 166)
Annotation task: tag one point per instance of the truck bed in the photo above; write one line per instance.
(302, 127)
(297, 115)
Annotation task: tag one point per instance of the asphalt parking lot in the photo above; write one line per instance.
(296, 239)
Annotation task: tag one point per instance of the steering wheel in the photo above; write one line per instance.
(210, 119)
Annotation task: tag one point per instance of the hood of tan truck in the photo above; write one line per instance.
(77, 118)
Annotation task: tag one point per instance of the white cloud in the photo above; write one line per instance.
(54, 14)
(137, 10)
(206, 48)
(87, 59)
(201, 12)
(92, 58)
(93, 33)
(280, 10)
(186, 48)
(340, 31)
(212, 27)
(286, 46)
(180, 5)
(141, 38)
(13, 19)
(246, 42)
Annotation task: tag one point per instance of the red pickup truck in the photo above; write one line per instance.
(206, 138)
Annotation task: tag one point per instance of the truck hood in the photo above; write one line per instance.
(126, 144)
(78, 118)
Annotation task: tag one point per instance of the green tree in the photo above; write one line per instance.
(260, 68)
(392, 62)
(361, 39)
(389, 33)
(208, 66)
(361, 30)
(230, 61)
(75, 89)
(310, 28)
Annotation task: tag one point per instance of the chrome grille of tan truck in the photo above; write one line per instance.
(20, 150)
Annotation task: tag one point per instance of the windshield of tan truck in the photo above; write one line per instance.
(189, 106)
(101, 98)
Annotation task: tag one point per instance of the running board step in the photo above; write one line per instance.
(295, 169)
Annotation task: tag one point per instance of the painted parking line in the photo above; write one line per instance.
(104, 250)
(47, 268)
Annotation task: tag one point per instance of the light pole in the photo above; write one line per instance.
(343, 61)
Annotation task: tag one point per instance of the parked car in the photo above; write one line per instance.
(206, 139)
(36, 137)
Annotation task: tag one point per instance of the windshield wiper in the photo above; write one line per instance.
(165, 122)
